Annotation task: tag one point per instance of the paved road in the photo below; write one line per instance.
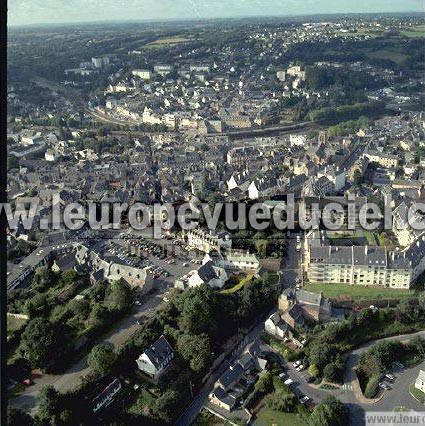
(291, 264)
(398, 395)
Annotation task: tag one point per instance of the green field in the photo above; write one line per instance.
(267, 417)
(414, 32)
(345, 291)
(14, 324)
(238, 286)
(392, 54)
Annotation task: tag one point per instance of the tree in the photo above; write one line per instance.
(68, 277)
(119, 296)
(265, 383)
(40, 342)
(37, 306)
(43, 278)
(330, 412)
(313, 370)
(330, 373)
(17, 417)
(49, 405)
(196, 307)
(320, 354)
(195, 349)
(164, 406)
(79, 307)
(357, 177)
(101, 359)
(282, 401)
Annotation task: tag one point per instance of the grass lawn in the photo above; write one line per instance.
(238, 286)
(417, 31)
(416, 393)
(346, 291)
(401, 409)
(392, 54)
(268, 417)
(14, 323)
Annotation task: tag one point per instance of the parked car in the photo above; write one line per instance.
(384, 385)
(288, 382)
(297, 363)
(300, 368)
(390, 377)
(304, 399)
(282, 375)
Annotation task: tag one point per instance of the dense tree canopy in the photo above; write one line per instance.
(330, 412)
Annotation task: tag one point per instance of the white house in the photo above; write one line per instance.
(235, 260)
(275, 326)
(420, 381)
(297, 140)
(156, 359)
(209, 274)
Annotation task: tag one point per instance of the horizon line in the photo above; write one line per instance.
(205, 19)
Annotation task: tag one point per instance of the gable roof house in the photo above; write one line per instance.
(209, 274)
(156, 359)
(275, 326)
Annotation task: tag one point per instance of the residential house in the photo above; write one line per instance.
(156, 359)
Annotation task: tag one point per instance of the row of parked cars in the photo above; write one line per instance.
(303, 399)
(149, 248)
(387, 380)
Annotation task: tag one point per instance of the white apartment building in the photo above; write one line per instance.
(384, 160)
(207, 242)
(364, 265)
(143, 74)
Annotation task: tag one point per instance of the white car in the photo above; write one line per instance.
(300, 368)
(297, 363)
(282, 375)
(288, 382)
(138, 303)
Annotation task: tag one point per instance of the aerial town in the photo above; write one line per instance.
(231, 325)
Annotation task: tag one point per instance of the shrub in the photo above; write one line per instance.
(372, 386)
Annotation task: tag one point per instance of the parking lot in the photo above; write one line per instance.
(300, 386)
(166, 259)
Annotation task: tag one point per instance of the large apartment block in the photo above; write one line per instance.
(365, 265)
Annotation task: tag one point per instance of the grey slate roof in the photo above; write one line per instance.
(159, 351)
